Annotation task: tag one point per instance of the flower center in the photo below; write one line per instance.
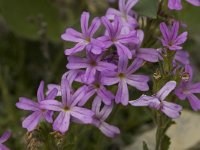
(97, 85)
(93, 63)
(121, 75)
(66, 108)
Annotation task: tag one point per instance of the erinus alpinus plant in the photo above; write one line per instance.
(112, 58)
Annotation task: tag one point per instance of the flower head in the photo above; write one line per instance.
(114, 37)
(171, 39)
(92, 63)
(158, 101)
(84, 39)
(125, 14)
(3, 139)
(101, 115)
(67, 108)
(123, 76)
(187, 89)
(39, 113)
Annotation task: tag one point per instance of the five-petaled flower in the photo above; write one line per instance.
(158, 101)
(171, 39)
(113, 36)
(67, 108)
(126, 15)
(123, 76)
(84, 39)
(39, 113)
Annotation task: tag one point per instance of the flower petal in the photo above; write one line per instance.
(82, 114)
(109, 130)
(5, 137)
(194, 102)
(51, 105)
(62, 122)
(122, 95)
(166, 89)
(138, 81)
(40, 91)
(27, 104)
(32, 121)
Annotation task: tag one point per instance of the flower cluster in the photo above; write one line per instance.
(105, 65)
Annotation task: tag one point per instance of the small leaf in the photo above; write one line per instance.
(145, 147)
(147, 8)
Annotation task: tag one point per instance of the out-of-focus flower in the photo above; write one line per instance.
(3, 139)
(158, 101)
(100, 117)
(171, 39)
(39, 113)
(126, 15)
(187, 89)
(92, 63)
(113, 36)
(67, 108)
(146, 54)
(182, 57)
(177, 5)
(123, 76)
(84, 39)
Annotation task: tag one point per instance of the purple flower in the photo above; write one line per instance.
(170, 39)
(146, 54)
(113, 36)
(123, 76)
(158, 102)
(39, 113)
(125, 13)
(92, 64)
(84, 39)
(187, 89)
(97, 87)
(176, 4)
(100, 117)
(67, 108)
(3, 139)
(182, 57)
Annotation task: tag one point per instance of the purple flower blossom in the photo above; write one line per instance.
(176, 4)
(146, 54)
(123, 76)
(170, 39)
(39, 113)
(3, 139)
(187, 89)
(67, 108)
(92, 64)
(126, 15)
(113, 36)
(97, 87)
(182, 57)
(158, 101)
(100, 117)
(84, 39)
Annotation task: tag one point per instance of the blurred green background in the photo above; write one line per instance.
(31, 50)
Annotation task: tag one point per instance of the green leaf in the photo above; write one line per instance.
(25, 16)
(165, 143)
(147, 8)
(145, 147)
